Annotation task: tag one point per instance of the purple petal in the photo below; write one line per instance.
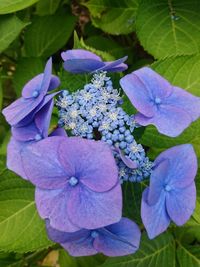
(94, 163)
(127, 161)
(186, 101)
(82, 65)
(155, 217)
(155, 84)
(82, 247)
(157, 181)
(118, 239)
(92, 210)
(115, 66)
(40, 83)
(183, 165)
(54, 82)
(26, 133)
(58, 132)
(32, 85)
(138, 94)
(53, 205)
(180, 203)
(62, 237)
(79, 54)
(43, 118)
(21, 108)
(169, 120)
(42, 166)
(14, 161)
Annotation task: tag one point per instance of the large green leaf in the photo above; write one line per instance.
(26, 69)
(9, 6)
(188, 256)
(113, 16)
(182, 71)
(21, 229)
(46, 35)
(159, 252)
(10, 28)
(167, 27)
(47, 7)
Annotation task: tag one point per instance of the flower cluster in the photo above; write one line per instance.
(95, 112)
(77, 177)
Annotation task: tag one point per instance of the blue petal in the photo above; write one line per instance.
(186, 101)
(157, 181)
(42, 166)
(155, 217)
(118, 239)
(169, 120)
(53, 205)
(82, 65)
(183, 165)
(180, 203)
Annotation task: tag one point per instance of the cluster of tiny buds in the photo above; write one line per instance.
(95, 112)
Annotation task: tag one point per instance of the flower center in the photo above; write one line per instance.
(73, 181)
(38, 137)
(168, 188)
(35, 93)
(157, 100)
(94, 234)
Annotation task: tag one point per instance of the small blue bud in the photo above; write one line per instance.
(129, 138)
(121, 137)
(122, 145)
(109, 142)
(122, 129)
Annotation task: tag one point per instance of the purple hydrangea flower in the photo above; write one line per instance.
(83, 61)
(118, 239)
(21, 112)
(76, 182)
(172, 193)
(169, 108)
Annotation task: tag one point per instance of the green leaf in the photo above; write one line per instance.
(47, 7)
(26, 69)
(46, 35)
(65, 260)
(115, 17)
(81, 44)
(10, 28)
(132, 194)
(107, 44)
(167, 27)
(21, 229)
(181, 71)
(72, 82)
(188, 255)
(9, 6)
(152, 253)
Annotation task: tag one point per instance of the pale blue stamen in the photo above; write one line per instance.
(35, 93)
(94, 234)
(38, 137)
(157, 100)
(168, 188)
(73, 181)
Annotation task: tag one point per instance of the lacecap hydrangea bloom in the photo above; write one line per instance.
(78, 175)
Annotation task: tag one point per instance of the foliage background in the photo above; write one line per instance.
(162, 33)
